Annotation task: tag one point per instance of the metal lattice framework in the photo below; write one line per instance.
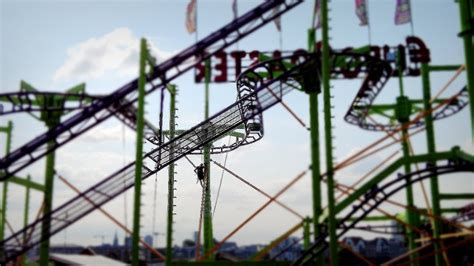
(454, 106)
(379, 229)
(102, 109)
(359, 109)
(248, 132)
(27, 101)
(465, 214)
(19, 102)
(376, 197)
(258, 90)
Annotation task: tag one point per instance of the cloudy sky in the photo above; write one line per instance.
(55, 45)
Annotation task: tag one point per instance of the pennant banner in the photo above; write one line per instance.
(402, 13)
(277, 19)
(234, 8)
(361, 12)
(317, 14)
(191, 17)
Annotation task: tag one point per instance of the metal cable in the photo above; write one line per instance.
(220, 182)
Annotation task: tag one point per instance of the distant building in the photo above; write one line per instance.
(66, 249)
(228, 246)
(195, 236)
(116, 243)
(149, 240)
(287, 250)
(357, 244)
(396, 229)
(378, 249)
(128, 242)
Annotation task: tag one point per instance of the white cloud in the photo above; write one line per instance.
(113, 133)
(115, 51)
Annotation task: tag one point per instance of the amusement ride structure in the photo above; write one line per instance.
(260, 85)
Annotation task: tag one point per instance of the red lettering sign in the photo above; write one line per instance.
(411, 56)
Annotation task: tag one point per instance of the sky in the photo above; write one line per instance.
(55, 45)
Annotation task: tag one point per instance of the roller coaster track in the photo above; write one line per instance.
(102, 109)
(366, 64)
(258, 91)
(465, 214)
(35, 101)
(247, 110)
(259, 88)
(376, 197)
(359, 109)
(379, 229)
(249, 132)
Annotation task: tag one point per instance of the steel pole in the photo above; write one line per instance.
(306, 233)
(138, 154)
(48, 204)
(8, 132)
(430, 140)
(26, 213)
(169, 231)
(403, 111)
(332, 224)
(466, 16)
(315, 152)
(208, 235)
(410, 202)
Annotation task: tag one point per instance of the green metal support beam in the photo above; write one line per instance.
(51, 119)
(456, 196)
(466, 34)
(27, 183)
(430, 140)
(421, 158)
(411, 236)
(138, 154)
(8, 130)
(208, 234)
(371, 218)
(435, 68)
(402, 113)
(26, 213)
(326, 75)
(306, 233)
(48, 204)
(169, 231)
(315, 153)
(463, 155)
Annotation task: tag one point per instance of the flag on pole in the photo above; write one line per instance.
(191, 17)
(277, 19)
(234, 8)
(402, 12)
(317, 14)
(361, 12)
